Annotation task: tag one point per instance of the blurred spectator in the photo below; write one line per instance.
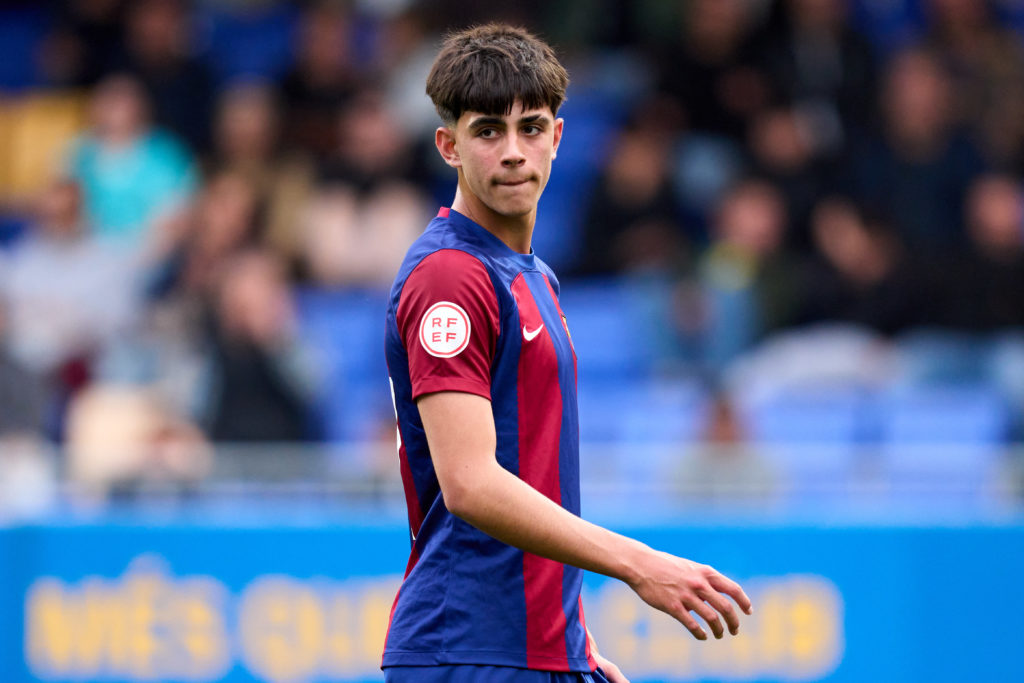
(984, 286)
(247, 143)
(711, 70)
(712, 74)
(328, 174)
(131, 173)
(824, 69)
(748, 282)
(68, 294)
(920, 167)
(83, 43)
(407, 53)
(260, 384)
(726, 468)
(222, 220)
(633, 219)
(122, 440)
(979, 339)
(323, 79)
(783, 149)
(371, 149)
(860, 273)
(24, 395)
(986, 63)
(159, 52)
(367, 212)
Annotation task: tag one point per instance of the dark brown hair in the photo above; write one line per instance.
(487, 68)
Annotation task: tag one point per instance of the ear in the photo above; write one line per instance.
(444, 140)
(559, 123)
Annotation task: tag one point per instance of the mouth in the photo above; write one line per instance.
(512, 183)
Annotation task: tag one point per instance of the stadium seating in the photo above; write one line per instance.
(346, 331)
(942, 446)
(21, 32)
(615, 336)
(256, 43)
(560, 216)
(813, 438)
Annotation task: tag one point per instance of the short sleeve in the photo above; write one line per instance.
(449, 322)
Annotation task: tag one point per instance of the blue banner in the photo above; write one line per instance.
(307, 603)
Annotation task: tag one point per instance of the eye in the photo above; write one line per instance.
(488, 133)
(531, 129)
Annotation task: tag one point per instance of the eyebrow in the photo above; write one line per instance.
(534, 118)
(486, 121)
(497, 121)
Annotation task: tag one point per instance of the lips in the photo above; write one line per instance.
(513, 183)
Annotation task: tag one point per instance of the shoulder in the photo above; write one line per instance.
(448, 272)
(448, 302)
(440, 248)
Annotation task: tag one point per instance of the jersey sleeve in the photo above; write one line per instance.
(449, 322)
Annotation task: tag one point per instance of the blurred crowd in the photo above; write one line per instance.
(775, 165)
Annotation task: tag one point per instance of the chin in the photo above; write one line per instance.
(513, 209)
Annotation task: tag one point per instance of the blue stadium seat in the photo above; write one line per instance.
(346, 330)
(942, 447)
(591, 117)
(21, 32)
(658, 411)
(636, 433)
(812, 416)
(253, 43)
(889, 24)
(965, 415)
(611, 331)
(815, 476)
(812, 438)
(559, 226)
(12, 229)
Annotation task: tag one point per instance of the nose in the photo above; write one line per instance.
(512, 156)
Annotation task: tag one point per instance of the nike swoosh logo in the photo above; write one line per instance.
(528, 336)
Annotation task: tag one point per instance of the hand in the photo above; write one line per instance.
(677, 587)
(611, 672)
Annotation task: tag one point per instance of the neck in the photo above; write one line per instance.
(515, 231)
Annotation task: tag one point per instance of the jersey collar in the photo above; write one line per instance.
(488, 240)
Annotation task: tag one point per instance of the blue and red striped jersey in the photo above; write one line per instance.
(467, 313)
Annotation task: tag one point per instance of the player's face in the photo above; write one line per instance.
(505, 161)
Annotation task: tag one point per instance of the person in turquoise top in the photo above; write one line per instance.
(131, 173)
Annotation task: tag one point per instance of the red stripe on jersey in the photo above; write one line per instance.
(443, 212)
(540, 422)
(412, 501)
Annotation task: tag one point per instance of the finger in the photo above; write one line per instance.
(720, 603)
(613, 673)
(732, 589)
(684, 617)
(709, 615)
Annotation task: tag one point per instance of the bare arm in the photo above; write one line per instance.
(461, 436)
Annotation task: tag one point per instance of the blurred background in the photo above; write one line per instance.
(790, 237)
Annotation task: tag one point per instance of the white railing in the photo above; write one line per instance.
(616, 479)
